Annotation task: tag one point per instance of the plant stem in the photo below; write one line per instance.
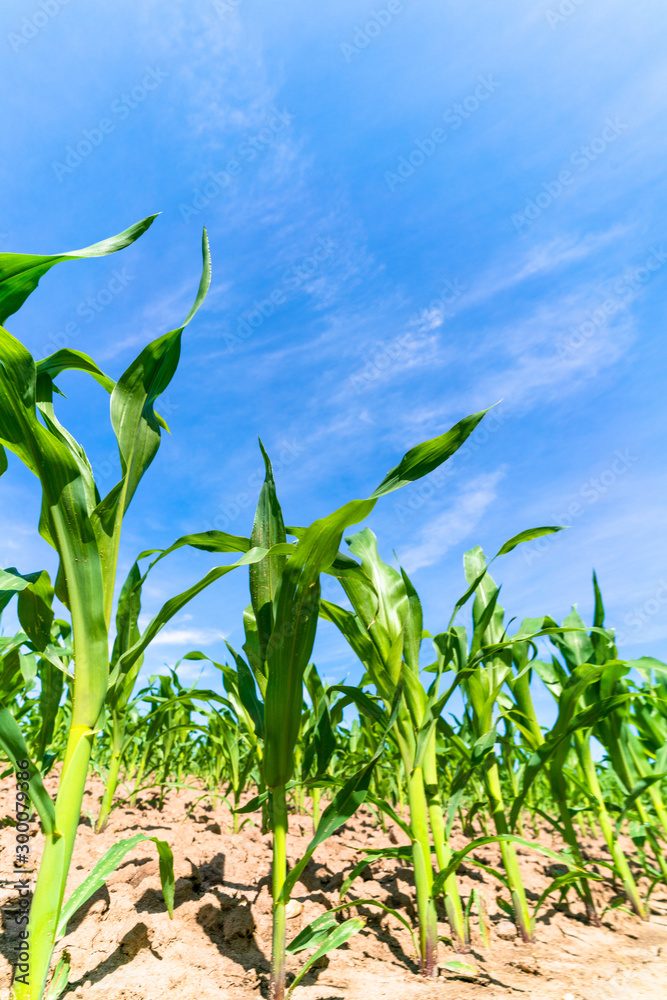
(559, 792)
(50, 887)
(588, 764)
(112, 777)
(421, 854)
(279, 875)
(510, 862)
(443, 852)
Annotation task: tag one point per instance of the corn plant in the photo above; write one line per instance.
(85, 531)
(285, 595)
(385, 631)
(592, 657)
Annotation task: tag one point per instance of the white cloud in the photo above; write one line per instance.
(189, 636)
(454, 525)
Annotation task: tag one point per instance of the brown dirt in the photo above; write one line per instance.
(124, 946)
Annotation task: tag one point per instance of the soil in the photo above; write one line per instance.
(123, 945)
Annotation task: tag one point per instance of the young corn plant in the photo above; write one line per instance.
(482, 671)
(593, 654)
(285, 594)
(385, 631)
(85, 531)
(513, 667)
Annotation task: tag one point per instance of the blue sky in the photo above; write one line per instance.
(415, 210)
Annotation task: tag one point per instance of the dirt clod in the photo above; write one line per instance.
(506, 930)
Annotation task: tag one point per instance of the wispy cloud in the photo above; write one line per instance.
(187, 636)
(454, 525)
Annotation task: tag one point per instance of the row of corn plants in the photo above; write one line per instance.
(272, 737)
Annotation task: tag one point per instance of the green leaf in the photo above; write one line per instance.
(338, 936)
(403, 853)
(314, 933)
(174, 605)
(71, 360)
(20, 272)
(424, 458)
(59, 979)
(458, 856)
(35, 609)
(525, 536)
(108, 864)
(639, 789)
(268, 530)
(133, 418)
(461, 969)
(391, 812)
(248, 692)
(13, 744)
(568, 878)
(343, 806)
(51, 679)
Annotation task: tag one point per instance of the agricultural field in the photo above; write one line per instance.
(421, 830)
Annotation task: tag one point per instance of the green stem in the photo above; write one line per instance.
(278, 879)
(112, 777)
(510, 862)
(588, 764)
(139, 776)
(316, 808)
(655, 847)
(559, 792)
(421, 856)
(453, 906)
(50, 887)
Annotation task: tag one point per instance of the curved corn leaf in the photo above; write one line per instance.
(108, 864)
(318, 929)
(393, 853)
(133, 418)
(173, 606)
(526, 536)
(569, 878)
(510, 838)
(425, 458)
(20, 272)
(338, 936)
(343, 806)
(68, 359)
(13, 744)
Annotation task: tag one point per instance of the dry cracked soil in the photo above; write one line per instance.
(123, 946)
